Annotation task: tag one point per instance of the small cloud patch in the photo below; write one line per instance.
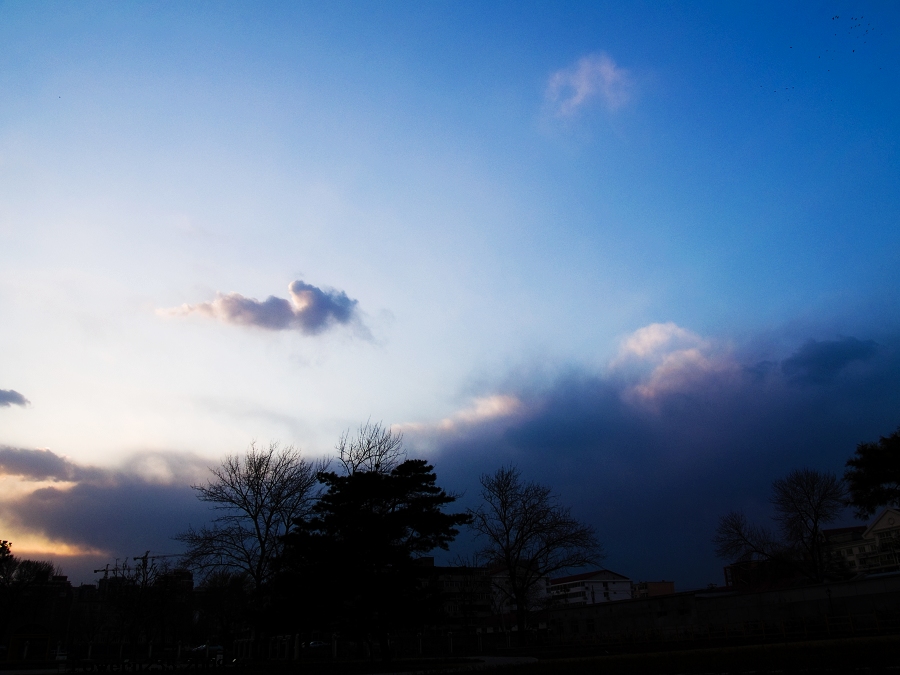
(484, 410)
(593, 78)
(310, 309)
(10, 397)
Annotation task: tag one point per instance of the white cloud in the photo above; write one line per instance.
(664, 358)
(594, 77)
(655, 339)
(485, 409)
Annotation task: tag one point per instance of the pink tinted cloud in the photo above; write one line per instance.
(593, 78)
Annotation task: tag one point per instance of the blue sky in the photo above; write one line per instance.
(648, 252)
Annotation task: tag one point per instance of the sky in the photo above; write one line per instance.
(647, 252)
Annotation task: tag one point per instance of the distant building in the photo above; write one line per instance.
(502, 600)
(652, 589)
(462, 594)
(590, 588)
(871, 549)
(846, 545)
(850, 551)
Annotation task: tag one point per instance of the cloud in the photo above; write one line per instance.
(309, 310)
(678, 430)
(97, 514)
(594, 77)
(39, 465)
(10, 397)
(483, 410)
(650, 341)
(664, 358)
(820, 362)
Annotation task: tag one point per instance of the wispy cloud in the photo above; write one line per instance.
(10, 397)
(481, 411)
(593, 78)
(309, 309)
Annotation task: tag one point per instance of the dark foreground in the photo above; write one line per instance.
(870, 655)
(855, 655)
(863, 655)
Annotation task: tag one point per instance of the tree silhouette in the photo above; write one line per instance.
(360, 542)
(257, 496)
(528, 536)
(873, 475)
(19, 578)
(373, 448)
(804, 501)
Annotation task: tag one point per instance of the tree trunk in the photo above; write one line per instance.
(521, 618)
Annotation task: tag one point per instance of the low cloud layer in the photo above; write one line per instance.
(652, 450)
(10, 397)
(105, 513)
(678, 430)
(40, 465)
(309, 309)
(592, 79)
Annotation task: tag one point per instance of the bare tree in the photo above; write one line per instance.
(528, 536)
(737, 539)
(374, 448)
(258, 497)
(804, 501)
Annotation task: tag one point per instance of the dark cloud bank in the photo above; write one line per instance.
(10, 397)
(654, 476)
(122, 511)
(42, 465)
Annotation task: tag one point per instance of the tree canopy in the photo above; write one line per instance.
(873, 475)
(362, 537)
(386, 516)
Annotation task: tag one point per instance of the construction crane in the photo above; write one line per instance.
(144, 558)
(116, 569)
(147, 557)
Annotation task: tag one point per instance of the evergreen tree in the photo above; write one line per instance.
(873, 475)
(352, 561)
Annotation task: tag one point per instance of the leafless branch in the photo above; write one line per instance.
(738, 540)
(805, 500)
(528, 535)
(257, 497)
(374, 448)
